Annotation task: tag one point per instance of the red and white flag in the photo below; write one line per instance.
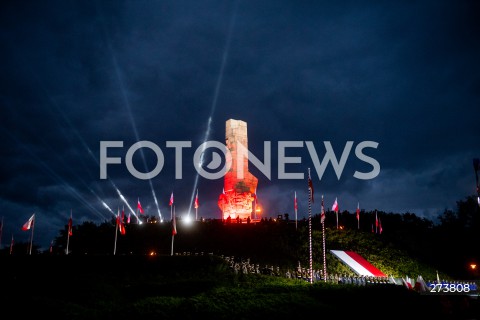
(335, 206)
(27, 225)
(139, 207)
(70, 225)
(128, 218)
(121, 226)
(196, 200)
(380, 229)
(171, 199)
(357, 263)
(295, 205)
(174, 227)
(358, 211)
(322, 215)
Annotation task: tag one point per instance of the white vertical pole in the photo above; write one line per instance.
(31, 237)
(296, 210)
(116, 231)
(310, 227)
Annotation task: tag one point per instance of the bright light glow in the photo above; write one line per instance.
(188, 220)
(473, 266)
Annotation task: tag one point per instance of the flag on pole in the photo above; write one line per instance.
(121, 226)
(295, 205)
(174, 227)
(27, 225)
(122, 218)
(171, 199)
(335, 206)
(196, 200)
(358, 211)
(322, 215)
(376, 222)
(380, 229)
(51, 246)
(128, 218)
(139, 206)
(70, 224)
(310, 186)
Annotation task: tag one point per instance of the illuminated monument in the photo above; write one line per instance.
(238, 194)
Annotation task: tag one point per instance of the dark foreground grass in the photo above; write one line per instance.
(192, 287)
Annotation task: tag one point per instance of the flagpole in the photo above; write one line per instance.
(31, 237)
(296, 210)
(116, 232)
(310, 226)
(171, 209)
(173, 235)
(68, 231)
(11, 245)
(358, 216)
(336, 213)
(376, 221)
(324, 253)
(68, 241)
(138, 219)
(196, 207)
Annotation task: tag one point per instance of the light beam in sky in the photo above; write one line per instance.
(215, 96)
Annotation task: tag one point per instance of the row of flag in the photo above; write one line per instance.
(120, 217)
(119, 221)
(335, 208)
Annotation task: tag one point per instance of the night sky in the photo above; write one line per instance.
(405, 74)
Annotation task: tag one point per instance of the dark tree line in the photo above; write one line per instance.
(451, 243)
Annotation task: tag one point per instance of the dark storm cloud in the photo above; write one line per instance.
(403, 74)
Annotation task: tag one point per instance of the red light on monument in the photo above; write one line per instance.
(238, 194)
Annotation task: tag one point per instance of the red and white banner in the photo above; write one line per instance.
(357, 263)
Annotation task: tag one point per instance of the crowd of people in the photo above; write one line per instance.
(245, 266)
(301, 273)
